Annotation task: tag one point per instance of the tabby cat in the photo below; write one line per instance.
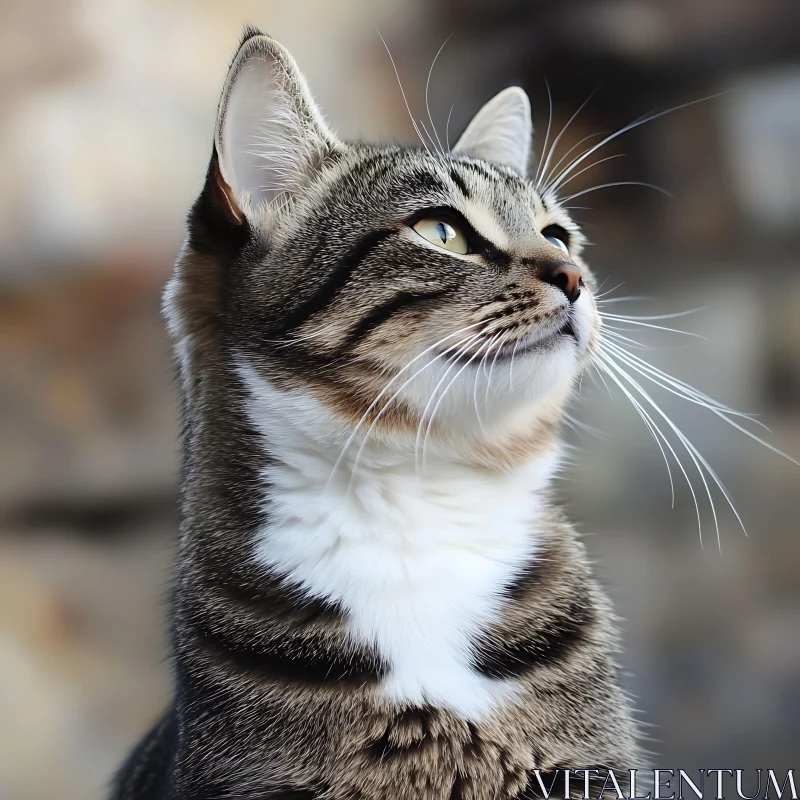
(376, 596)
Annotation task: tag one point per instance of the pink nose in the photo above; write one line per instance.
(564, 276)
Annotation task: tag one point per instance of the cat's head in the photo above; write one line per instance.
(406, 292)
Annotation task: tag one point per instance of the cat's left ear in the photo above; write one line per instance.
(270, 136)
(501, 131)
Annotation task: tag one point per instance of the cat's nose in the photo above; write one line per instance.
(565, 276)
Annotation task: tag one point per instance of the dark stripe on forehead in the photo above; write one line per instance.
(484, 170)
(386, 170)
(372, 168)
(459, 181)
(384, 311)
(492, 173)
(420, 181)
(338, 277)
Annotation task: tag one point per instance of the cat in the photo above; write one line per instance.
(376, 595)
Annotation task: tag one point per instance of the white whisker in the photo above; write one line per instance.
(615, 183)
(498, 351)
(612, 333)
(441, 398)
(402, 92)
(447, 129)
(511, 366)
(578, 425)
(450, 364)
(387, 406)
(392, 399)
(430, 138)
(385, 389)
(611, 368)
(652, 317)
(599, 374)
(482, 366)
(427, 85)
(656, 433)
(571, 150)
(545, 168)
(639, 324)
(625, 129)
(627, 299)
(699, 460)
(593, 165)
(676, 386)
(547, 133)
(600, 294)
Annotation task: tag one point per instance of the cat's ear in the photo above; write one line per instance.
(270, 136)
(501, 131)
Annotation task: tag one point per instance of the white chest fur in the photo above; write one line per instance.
(419, 564)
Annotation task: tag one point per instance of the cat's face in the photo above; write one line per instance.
(393, 286)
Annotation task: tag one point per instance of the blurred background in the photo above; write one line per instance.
(105, 132)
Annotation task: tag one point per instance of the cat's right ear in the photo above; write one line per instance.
(501, 131)
(270, 136)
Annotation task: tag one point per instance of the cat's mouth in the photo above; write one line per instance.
(539, 342)
(567, 329)
(535, 342)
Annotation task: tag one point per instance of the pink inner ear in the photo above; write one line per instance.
(224, 194)
(269, 131)
(249, 145)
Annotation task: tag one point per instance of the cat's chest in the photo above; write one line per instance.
(420, 568)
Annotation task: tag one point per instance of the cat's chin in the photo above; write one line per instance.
(495, 404)
(518, 435)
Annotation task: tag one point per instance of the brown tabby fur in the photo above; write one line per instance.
(274, 698)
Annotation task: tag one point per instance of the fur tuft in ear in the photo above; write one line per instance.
(270, 136)
(501, 131)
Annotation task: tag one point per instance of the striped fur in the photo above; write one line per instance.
(376, 596)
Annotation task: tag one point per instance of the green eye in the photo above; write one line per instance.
(443, 235)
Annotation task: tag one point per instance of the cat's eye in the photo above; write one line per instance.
(559, 243)
(558, 237)
(443, 234)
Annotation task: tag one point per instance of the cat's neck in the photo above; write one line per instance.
(379, 489)
(389, 498)
(420, 562)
